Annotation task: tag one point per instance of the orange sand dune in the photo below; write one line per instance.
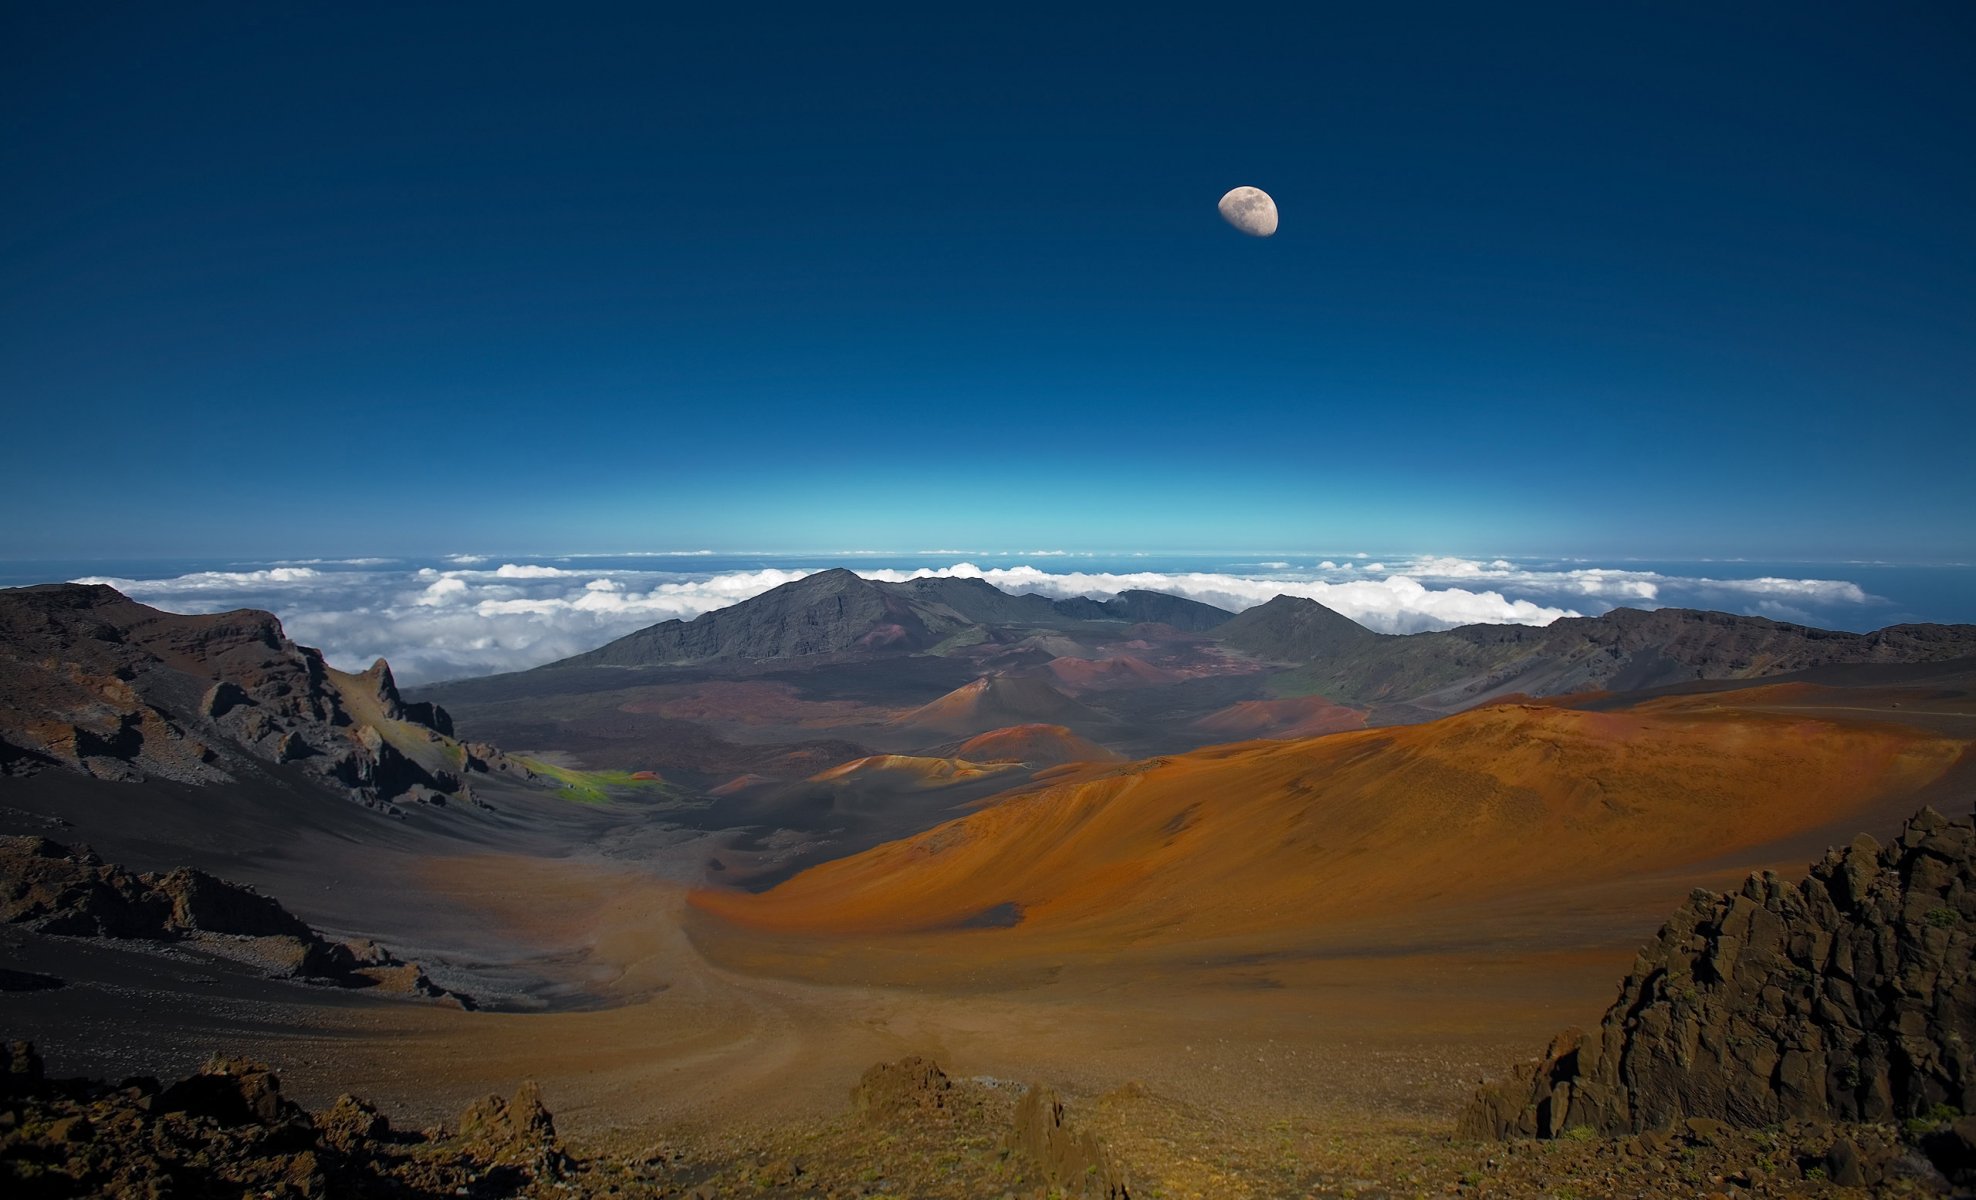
(1036, 744)
(1291, 836)
(1296, 717)
(906, 771)
(1085, 674)
(995, 701)
(740, 783)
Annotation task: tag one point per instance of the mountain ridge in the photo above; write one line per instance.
(838, 614)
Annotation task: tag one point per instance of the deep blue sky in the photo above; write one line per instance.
(1648, 279)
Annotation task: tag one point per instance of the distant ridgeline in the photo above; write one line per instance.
(836, 615)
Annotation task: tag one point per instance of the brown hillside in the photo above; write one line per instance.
(1036, 744)
(1278, 838)
(1296, 717)
(994, 702)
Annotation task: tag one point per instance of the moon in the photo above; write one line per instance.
(1250, 210)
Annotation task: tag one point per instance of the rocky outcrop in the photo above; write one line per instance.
(1847, 997)
(1071, 1160)
(516, 1132)
(914, 1091)
(96, 683)
(911, 1086)
(50, 888)
(229, 1130)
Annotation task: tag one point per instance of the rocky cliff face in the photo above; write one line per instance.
(1847, 997)
(50, 888)
(93, 682)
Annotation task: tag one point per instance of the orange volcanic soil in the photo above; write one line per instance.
(1297, 717)
(906, 771)
(1036, 744)
(1281, 838)
(995, 701)
(1124, 671)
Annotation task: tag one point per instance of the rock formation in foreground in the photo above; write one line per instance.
(229, 1131)
(1847, 997)
(50, 888)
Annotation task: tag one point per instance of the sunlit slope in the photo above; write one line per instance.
(907, 772)
(1265, 836)
(1036, 744)
(1295, 717)
(995, 702)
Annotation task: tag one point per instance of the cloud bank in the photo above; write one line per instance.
(461, 617)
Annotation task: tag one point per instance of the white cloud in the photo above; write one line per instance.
(336, 562)
(516, 571)
(216, 581)
(442, 622)
(1394, 605)
(1626, 585)
(442, 591)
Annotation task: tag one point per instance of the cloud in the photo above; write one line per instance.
(1394, 605)
(514, 571)
(339, 562)
(457, 619)
(216, 581)
(442, 591)
(1624, 584)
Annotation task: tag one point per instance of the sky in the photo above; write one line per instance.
(367, 279)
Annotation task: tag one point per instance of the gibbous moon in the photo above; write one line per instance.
(1250, 210)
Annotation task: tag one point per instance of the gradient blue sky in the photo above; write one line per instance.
(1638, 279)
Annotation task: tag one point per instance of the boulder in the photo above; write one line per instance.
(910, 1086)
(1071, 1160)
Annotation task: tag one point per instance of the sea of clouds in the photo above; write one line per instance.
(461, 616)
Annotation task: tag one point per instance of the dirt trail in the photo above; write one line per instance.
(695, 1045)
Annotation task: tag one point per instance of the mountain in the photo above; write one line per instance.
(1622, 650)
(1271, 841)
(1084, 674)
(1035, 744)
(98, 684)
(1142, 607)
(907, 772)
(1292, 717)
(836, 613)
(1290, 629)
(997, 701)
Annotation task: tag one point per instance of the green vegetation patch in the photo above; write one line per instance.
(595, 787)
